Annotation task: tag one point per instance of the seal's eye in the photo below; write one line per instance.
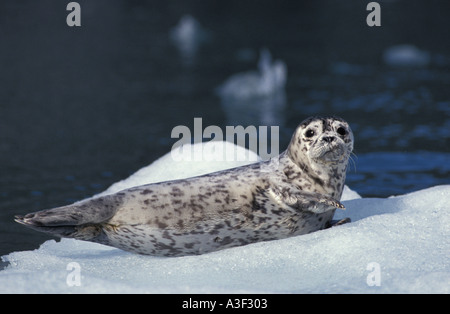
(341, 131)
(309, 133)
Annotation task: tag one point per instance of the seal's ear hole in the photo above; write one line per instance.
(341, 131)
(309, 133)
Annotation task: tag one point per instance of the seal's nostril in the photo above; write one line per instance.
(328, 139)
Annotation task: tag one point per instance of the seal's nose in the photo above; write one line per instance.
(328, 139)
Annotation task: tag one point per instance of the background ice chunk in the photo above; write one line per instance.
(270, 79)
(187, 36)
(406, 56)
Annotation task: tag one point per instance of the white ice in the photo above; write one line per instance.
(399, 244)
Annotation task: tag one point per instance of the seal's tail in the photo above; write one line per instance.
(79, 220)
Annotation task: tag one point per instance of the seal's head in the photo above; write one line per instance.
(321, 142)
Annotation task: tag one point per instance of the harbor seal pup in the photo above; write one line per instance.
(219, 210)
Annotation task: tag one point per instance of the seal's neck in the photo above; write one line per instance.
(319, 178)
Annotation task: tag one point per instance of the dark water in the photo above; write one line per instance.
(81, 108)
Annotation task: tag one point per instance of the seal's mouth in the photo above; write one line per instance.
(325, 152)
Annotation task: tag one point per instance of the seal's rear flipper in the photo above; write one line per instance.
(64, 232)
(84, 232)
(74, 221)
(91, 211)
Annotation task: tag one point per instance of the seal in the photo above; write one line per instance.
(264, 201)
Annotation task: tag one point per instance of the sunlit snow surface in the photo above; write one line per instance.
(395, 245)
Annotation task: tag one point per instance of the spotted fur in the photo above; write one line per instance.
(219, 210)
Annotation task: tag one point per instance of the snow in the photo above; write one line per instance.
(399, 244)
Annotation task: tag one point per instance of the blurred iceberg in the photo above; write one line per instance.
(268, 80)
(256, 97)
(406, 56)
(187, 36)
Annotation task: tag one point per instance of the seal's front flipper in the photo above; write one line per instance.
(317, 203)
(335, 223)
(305, 201)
